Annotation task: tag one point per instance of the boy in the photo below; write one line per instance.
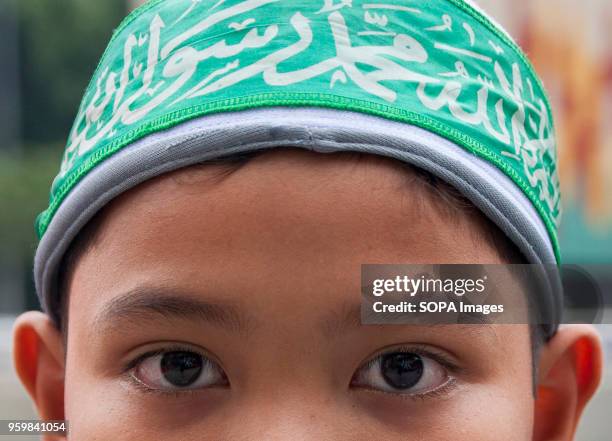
(231, 168)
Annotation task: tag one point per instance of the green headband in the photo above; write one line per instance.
(440, 65)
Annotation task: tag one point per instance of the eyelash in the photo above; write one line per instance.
(424, 351)
(130, 366)
(432, 394)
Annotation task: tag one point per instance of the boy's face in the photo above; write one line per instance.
(225, 306)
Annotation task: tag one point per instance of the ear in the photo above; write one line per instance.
(38, 355)
(569, 372)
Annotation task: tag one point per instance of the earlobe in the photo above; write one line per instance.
(38, 356)
(569, 373)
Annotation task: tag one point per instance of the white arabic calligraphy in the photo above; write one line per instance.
(374, 18)
(181, 63)
(470, 32)
(447, 25)
(330, 6)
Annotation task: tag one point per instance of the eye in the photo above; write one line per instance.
(402, 372)
(178, 370)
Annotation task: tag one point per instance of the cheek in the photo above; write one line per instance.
(469, 413)
(106, 411)
(100, 411)
(500, 415)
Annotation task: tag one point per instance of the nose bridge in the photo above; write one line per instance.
(291, 416)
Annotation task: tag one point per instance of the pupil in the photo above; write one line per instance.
(181, 368)
(402, 370)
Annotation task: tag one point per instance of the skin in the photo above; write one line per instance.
(259, 269)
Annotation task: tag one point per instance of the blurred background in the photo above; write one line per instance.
(49, 49)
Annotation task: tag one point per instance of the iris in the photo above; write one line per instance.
(181, 369)
(402, 370)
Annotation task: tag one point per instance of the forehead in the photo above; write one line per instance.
(273, 220)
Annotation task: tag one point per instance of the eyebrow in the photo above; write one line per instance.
(149, 303)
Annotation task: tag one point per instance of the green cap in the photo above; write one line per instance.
(440, 66)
